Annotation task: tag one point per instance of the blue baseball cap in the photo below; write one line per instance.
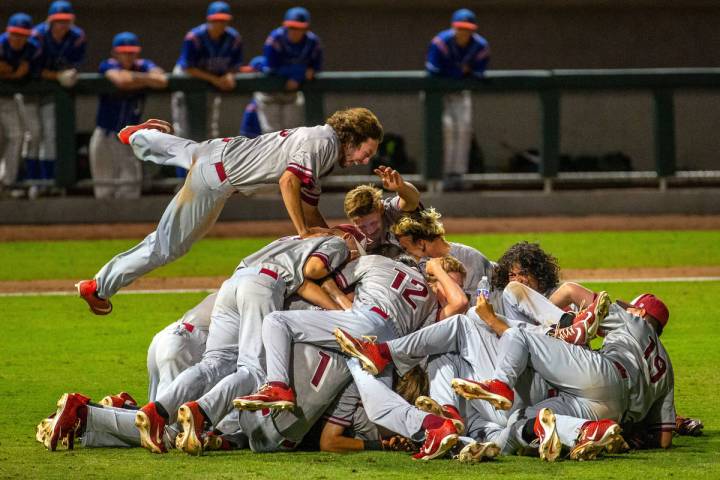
(219, 11)
(297, 17)
(20, 23)
(465, 19)
(61, 10)
(126, 42)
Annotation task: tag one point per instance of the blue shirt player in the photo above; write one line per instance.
(457, 52)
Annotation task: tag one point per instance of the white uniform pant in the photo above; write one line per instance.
(188, 217)
(115, 427)
(457, 132)
(30, 118)
(281, 329)
(280, 110)
(12, 139)
(522, 303)
(116, 173)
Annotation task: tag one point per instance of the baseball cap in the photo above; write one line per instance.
(297, 17)
(126, 42)
(360, 238)
(219, 11)
(20, 23)
(652, 305)
(60, 10)
(464, 18)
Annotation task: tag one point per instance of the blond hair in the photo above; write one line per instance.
(423, 225)
(411, 385)
(450, 264)
(362, 200)
(353, 126)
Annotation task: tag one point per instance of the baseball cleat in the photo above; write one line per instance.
(475, 452)
(427, 404)
(121, 400)
(688, 426)
(595, 437)
(152, 124)
(585, 326)
(367, 352)
(192, 421)
(494, 391)
(152, 428)
(42, 431)
(546, 432)
(274, 397)
(88, 291)
(438, 441)
(66, 421)
(213, 441)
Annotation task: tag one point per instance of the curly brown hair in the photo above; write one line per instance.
(353, 126)
(411, 385)
(531, 258)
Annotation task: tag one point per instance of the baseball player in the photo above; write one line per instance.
(296, 159)
(116, 173)
(17, 50)
(366, 209)
(212, 52)
(293, 52)
(457, 53)
(259, 286)
(631, 378)
(63, 46)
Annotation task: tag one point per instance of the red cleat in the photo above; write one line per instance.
(213, 441)
(192, 421)
(546, 432)
(121, 400)
(585, 326)
(367, 352)
(494, 391)
(152, 428)
(152, 124)
(595, 437)
(273, 395)
(66, 421)
(88, 291)
(438, 441)
(427, 404)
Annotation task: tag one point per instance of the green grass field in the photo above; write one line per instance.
(215, 256)
(52, 344)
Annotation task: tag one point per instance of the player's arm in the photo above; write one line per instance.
(336, 294)
(124, 79)
(393, 182)
(457, 301)
(20, 72)
(221, 82)
(485, 310)
(156, 78)
(332, 439)
(290, 191)
(313, 293)
(572, 293)
(313, 216)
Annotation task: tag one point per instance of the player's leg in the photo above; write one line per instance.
(268, 112)
(102, 163)
(521, 302)
(295, 111)
(449, 133)
(188, 217)
(464, 123)
(13, 136)
(162, 148)
(178, 107)
(128, 169)
(29, 108)
(216, 102)
(48, 146)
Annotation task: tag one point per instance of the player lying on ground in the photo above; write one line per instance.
(295, 159)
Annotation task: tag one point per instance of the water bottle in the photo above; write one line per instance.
(483, 287)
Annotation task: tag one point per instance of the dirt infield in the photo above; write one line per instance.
(452, 225)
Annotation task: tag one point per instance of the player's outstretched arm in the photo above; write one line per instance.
(393, 182)
(333, 440)
(485, 311)
(336, 294)
(290, 191)
(457, 301)
(313, 293)
(572, 293)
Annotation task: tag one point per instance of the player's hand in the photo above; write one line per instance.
(309, 74)
(399, 443)
(292, 85)
(67, 78)
(483, 308)
(226, 82)
(433, 266)
(392, 180)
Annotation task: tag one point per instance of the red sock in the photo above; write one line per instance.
(82, 412)
(385, 352)
(431, 422)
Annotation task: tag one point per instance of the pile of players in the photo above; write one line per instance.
(372, 335)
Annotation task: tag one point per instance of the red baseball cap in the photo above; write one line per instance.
(360, 237)
(652, 305)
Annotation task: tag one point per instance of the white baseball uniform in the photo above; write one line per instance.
(218, 168)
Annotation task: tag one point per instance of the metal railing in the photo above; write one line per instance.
(549, 85)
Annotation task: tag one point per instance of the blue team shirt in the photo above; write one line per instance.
(216, 57)
(118, 109)
(291, 60)
(56, 56)
(250, 125)
(445, 58)
(30, 52)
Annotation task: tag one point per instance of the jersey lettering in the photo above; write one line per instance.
(408, 292)
(659, 363)
(320, 371)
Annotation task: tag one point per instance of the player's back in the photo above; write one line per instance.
(646, 364)
(397, 289)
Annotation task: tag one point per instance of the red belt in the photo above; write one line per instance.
(621, 369)
(189, 327)
(220, 171)
(377, 310)
(269, 273)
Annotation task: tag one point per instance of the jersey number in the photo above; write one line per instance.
(320, 371)
(408, 292)
(657, 363)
